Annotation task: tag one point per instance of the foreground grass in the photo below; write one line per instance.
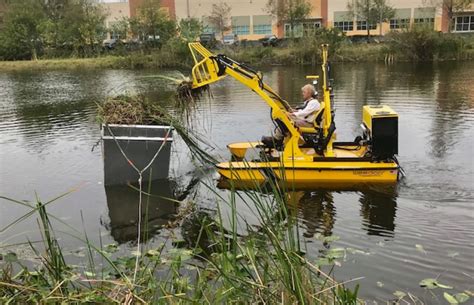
(266, 265)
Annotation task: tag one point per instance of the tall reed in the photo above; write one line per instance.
(265, 264)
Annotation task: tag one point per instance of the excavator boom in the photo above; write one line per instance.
(210, 68)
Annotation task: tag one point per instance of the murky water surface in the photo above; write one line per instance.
(48, 129)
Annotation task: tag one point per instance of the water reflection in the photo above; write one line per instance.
(318, 212)
(453, 105)
(378, 211)
(157, 209)
(48, 126)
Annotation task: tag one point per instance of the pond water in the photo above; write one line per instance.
(424, 230)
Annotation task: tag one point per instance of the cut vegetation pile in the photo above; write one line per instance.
(132, 110)
(139, 110)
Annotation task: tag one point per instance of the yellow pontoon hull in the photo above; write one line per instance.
(311, 174)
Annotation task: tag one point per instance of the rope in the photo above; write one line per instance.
(140, 172)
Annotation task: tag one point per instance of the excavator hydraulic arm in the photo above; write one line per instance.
(210, 68)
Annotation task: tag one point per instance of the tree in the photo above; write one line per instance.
(152, 22)
(55, 13)
(220, 16)
(190, 28)
(21, 35)
(370, 11)
(32, 26)
(119, 28)
(92, 27)
(384, 12)
(452, 6)
(291, 11)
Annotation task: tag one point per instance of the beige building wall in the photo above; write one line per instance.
(243, 13)
(115, 12)
(405, 9)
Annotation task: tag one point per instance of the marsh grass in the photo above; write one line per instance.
(424, 44)
(263, 264)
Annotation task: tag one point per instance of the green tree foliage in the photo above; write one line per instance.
(424, 44)
(190, 28)
(119, 29)
(308, 50)
(292, 12)
(152, 24)
(384, 12)
(35, 26)
(370, 11)
(219, 17)
(21, 35)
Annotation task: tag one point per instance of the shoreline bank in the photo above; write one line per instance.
(257, 56)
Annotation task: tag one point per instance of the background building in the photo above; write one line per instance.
(407, 13)
(166, 5)
(250, 19)
(117, 10)
(463, 21)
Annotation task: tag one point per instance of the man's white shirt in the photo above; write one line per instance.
(308, 113)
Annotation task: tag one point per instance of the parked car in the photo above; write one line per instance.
(230, 39)
(110, 43)
(269, 40)
(153, 41)
(208, 40)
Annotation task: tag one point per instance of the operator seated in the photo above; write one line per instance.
(303, 116)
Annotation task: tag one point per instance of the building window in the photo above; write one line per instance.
(241, 29)
(463, 23)
(424, 20)
(344, 26)
(208, 29)
(399, 23)
(262, 29)
(310, 27)
(362, 25)
(296, 31)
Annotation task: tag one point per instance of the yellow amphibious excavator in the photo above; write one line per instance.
(308, 157)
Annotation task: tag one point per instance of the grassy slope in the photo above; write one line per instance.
(169, 59)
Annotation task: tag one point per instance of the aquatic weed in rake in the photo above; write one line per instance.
(185, 93)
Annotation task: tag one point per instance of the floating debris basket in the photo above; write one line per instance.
(139, 143)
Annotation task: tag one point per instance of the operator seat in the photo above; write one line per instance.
(313, 136)
(316, 123)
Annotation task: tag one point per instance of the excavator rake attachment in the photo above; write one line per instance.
(205, 70)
